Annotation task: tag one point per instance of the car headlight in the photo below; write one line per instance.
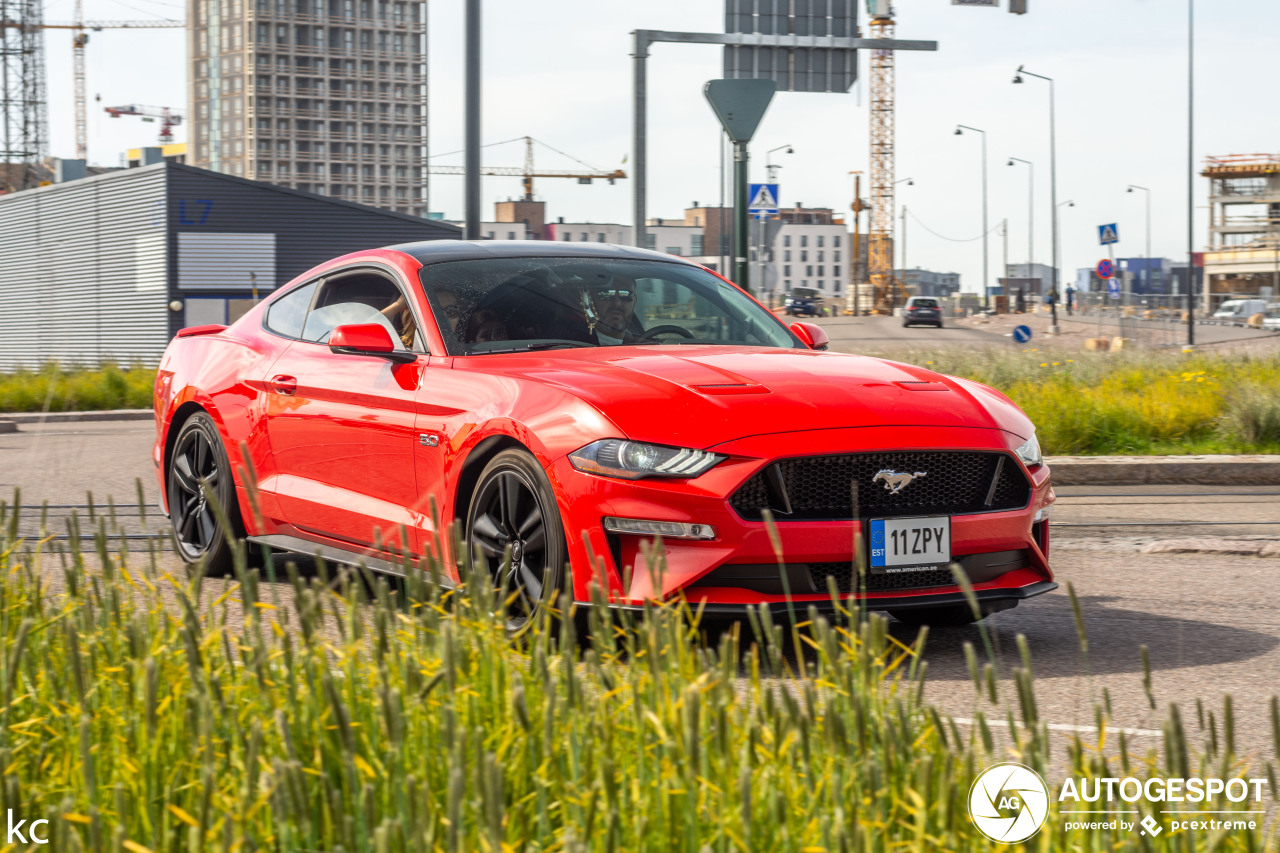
(1029, 452)
(634, 460)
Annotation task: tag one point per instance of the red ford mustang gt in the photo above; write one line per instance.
(565, 404)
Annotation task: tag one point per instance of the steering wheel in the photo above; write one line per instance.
(664, 330)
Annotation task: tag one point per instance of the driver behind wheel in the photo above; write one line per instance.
(614, 305)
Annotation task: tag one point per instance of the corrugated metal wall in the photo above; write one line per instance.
(88, 268)
(309, 229)
(84, 271)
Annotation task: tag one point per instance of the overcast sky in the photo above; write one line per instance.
(561, 72)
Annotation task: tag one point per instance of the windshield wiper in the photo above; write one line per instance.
(533, 345)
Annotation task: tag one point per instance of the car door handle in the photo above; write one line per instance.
(285, 385)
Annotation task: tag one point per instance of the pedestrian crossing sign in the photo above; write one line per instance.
(1108, 234)
(764, 199)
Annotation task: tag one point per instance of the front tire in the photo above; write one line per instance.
(513, 508)
(199, 462)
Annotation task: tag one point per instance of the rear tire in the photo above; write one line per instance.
(199, 461)
(938, 617)
(513, 507)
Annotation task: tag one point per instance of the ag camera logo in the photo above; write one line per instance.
(1009, 802)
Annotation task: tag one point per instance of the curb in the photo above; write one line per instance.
(1165, 470)
(77, 417)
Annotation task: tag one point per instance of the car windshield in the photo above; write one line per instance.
(519, 304)
(925, 303)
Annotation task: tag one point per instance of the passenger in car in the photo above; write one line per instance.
(485, 327)
(402, 318)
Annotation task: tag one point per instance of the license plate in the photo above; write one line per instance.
(909, 544)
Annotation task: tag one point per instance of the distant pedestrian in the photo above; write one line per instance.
(1071, 296)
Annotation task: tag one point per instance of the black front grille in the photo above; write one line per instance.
(823, 487)
(845, 573)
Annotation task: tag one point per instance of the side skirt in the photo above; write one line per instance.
(334, 554)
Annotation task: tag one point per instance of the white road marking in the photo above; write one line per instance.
(1065, 727)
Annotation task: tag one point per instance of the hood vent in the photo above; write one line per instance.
(730, 388)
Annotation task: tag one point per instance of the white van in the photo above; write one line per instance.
(1239, 310)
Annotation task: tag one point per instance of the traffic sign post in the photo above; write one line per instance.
(740, 104)
(1022, 334)
(764, 200)
(1108, 234)
(1105, 269)
(1113, 288)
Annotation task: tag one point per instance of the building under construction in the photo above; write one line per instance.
(1243, 258)
(24, 121)
(327, 96)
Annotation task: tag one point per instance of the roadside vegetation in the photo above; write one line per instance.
(53, 388)
(1137, 402)
(145, 712)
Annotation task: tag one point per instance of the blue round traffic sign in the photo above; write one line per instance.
(1106, 269)
(1022, 334)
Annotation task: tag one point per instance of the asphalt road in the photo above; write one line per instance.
(1210, 622)
(880, 333)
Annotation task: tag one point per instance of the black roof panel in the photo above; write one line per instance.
(439, 251)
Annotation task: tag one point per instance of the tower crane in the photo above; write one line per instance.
(79, 39)
(528, 172)
(168, 119)
(885, 285)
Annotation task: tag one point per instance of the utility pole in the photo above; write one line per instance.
(472, 156)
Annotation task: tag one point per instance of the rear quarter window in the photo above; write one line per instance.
(286, 315)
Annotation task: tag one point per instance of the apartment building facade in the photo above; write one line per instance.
(327, 96)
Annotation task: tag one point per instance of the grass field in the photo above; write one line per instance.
(145, 712)
(1081, 403)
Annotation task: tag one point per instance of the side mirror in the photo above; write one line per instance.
(813, 335)
(368, 339)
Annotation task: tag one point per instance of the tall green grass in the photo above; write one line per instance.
(1130, 402)
(143, 711)
(53, 388)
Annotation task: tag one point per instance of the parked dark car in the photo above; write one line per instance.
(804, 301)
(922, 310)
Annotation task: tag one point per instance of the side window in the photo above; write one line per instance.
(361, 298)
(285, 315)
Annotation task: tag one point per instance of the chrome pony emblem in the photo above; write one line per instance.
(896, 481)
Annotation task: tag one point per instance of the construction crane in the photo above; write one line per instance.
(79, 39)
(528, 172)
(168, 120)
(885, 285)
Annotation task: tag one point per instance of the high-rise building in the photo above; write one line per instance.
(328, 96)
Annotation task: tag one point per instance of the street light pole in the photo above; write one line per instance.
(770, 169)
(892, 294)
(959, 130)
(1191, 171)
(1146, 261)
(1053, 191)
(1031, 213)
(1068, 203)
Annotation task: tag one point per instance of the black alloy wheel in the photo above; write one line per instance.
(513, 510)
(199, 462)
